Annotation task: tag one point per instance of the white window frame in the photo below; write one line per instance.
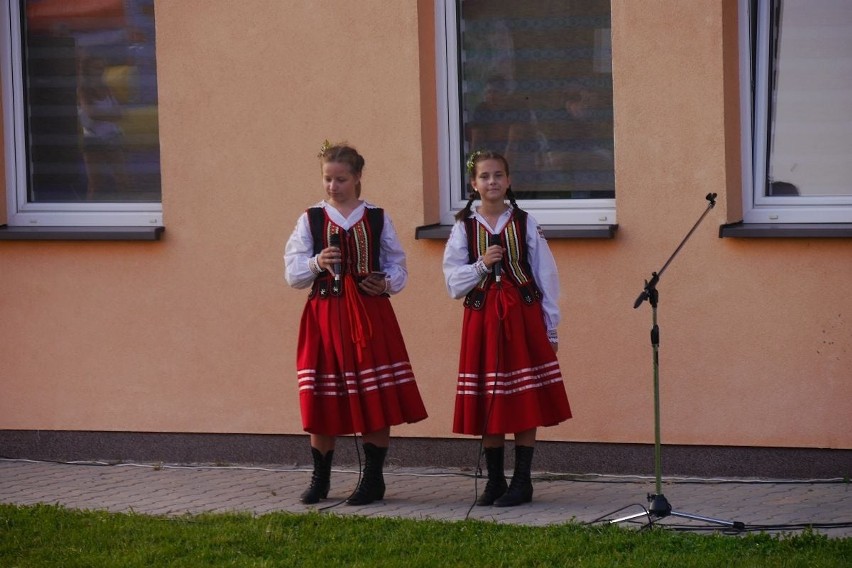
(546, 211)
(757, 207)
(19, 211)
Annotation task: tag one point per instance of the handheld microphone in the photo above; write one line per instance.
(334, 241)
(495, 240)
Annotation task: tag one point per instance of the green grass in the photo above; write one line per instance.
(44, 535)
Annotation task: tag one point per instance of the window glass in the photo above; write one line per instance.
(810, 99)
(536, 86)
(90, 101)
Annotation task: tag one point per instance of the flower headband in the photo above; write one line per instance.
(326, 146)
(471, 161)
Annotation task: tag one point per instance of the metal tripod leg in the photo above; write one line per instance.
(660, 508)
(737, 525)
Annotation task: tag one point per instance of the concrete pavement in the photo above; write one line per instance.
(772, 506)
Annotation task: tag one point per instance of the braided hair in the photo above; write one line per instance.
(475, 158)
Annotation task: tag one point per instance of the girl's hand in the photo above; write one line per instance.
(374, 284)
(328, 257)
(493, 255)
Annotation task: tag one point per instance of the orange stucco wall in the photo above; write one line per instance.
(197, 332)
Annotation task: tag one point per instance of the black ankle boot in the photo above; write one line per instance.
(520, 489)
(372, 486)
(320, 478)
(496, 485)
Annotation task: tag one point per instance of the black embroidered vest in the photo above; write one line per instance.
(515, 265)
(360, 247)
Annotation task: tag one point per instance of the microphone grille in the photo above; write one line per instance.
(334, 240)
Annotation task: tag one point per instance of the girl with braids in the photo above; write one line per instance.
(509, 378)
(353, 368)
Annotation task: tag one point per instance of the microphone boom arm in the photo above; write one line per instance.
(650, 291)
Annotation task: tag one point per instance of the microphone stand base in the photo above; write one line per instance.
(660, 508)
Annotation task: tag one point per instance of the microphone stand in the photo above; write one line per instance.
(659, 505)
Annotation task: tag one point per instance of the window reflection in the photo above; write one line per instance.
(537, 87)
(91, 101)
(811, 99)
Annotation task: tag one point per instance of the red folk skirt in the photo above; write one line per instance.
(353, 368)
(509, 378)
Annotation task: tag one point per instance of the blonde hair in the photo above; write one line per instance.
(344, 154)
